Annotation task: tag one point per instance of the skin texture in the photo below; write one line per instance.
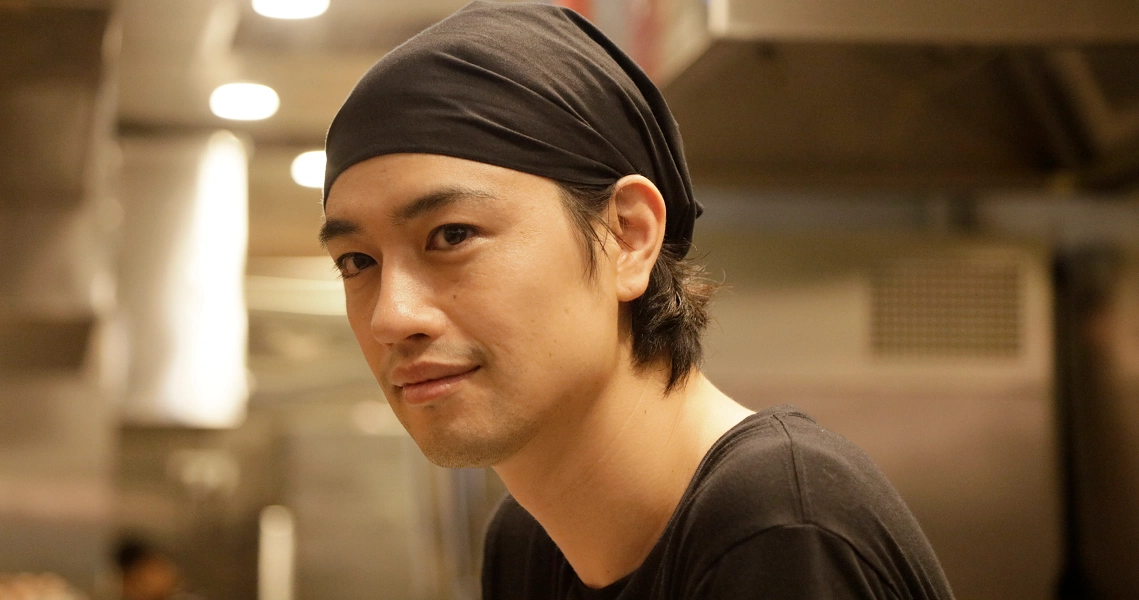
(466, 289)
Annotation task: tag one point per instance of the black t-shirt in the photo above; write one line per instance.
(779, 508)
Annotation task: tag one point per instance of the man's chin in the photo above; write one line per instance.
(454, 451)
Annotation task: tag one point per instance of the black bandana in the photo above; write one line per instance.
(529, 87)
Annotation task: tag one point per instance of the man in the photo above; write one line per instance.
(507, 201)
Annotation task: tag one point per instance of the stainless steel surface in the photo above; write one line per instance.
(962, 95)
(960, 22)
(181, 254)
(58, 367)
(51, 69)
(1099, 362)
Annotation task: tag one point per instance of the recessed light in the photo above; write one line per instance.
(244, 101)
(290, 9)
(308, 169)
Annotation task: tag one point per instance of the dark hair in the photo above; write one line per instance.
(668, 320)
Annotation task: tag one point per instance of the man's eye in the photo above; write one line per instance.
(449, 235)
(352, 263)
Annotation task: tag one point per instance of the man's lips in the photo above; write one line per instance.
(424, 382)
(422, 372)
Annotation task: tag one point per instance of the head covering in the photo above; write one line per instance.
(530, 87)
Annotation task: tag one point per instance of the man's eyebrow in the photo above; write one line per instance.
(436, 200)
(335, 228)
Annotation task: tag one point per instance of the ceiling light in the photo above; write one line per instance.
(244, 101)
(290, 9)
(308, 169)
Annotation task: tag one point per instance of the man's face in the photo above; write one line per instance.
(466, 290)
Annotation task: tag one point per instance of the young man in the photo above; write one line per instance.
(507, 201)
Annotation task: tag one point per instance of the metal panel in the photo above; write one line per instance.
(180, 277)
(50, 69)
(896, 94)
(834, 115)
(958, 22)
(1099, 382)
(57, 354)
(965, 434)
(38, 345)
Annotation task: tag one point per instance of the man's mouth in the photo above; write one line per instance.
(424, 383)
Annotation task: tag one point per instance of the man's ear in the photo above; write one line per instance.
(637, 220)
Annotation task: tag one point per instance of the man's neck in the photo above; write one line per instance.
(605, 483)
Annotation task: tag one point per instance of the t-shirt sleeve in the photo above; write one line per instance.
(793, 562)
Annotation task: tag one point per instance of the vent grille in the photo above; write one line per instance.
(946, 308)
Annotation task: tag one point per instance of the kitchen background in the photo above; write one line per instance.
(925, 215)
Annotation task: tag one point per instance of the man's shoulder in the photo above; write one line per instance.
(778, 472)
(775, 486)
(777, 468)
(780, 468)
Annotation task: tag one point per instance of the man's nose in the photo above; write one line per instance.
(404, 309)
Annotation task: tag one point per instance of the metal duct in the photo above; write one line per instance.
(895, 94)
(181, 279)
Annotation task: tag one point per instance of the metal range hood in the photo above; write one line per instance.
(907, 94)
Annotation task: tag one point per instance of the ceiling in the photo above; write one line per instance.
(962, 96)
(916, 115)
(767, 94)
(174, 53)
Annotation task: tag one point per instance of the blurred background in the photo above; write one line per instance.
(926, 216)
